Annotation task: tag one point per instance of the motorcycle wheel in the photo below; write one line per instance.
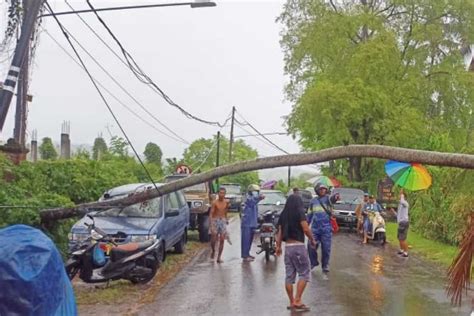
(267, 255)
(72, 268)
(382, 239)
(151, 263)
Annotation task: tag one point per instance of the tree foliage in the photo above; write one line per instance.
(385, 72)
(378, 72)
(201, 155)
(118, 147)
(153, 153)
(47, 150)
(100, 149)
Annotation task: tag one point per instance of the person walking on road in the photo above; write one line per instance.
(320, 215)
(292, 228)
(218, 224)
(358, 211)
(249, 221)
(403, 224)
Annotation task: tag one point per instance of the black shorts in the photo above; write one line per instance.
(403, 230)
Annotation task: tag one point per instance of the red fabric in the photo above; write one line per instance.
(335, 226)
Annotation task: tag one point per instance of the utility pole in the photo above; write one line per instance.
(231, 142)
(21, 50)
(22, 94)
(218, 153)
(289, 177)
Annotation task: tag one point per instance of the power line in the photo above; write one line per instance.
(124, 89)
(100, 93)
(110, 93)
(144, 78)
(97, 35)
(263, 136)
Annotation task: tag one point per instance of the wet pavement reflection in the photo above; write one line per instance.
(364, 280)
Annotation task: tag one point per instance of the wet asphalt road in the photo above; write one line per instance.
(364, 280)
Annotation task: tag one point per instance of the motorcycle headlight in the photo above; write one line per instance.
(95, 235)
(142, 238)
(77, 237)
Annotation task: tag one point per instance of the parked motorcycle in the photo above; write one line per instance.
(100, 259)
(268, 234)
(377, 233)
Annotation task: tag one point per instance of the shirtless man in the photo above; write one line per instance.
(218, 227)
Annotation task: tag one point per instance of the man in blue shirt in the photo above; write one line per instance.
(319, 215)
(249, 221)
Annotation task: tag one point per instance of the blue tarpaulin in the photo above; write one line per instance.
(33, 280)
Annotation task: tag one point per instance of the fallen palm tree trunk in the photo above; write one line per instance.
(374, 151)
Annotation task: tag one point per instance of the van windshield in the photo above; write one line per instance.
(231, 189)
(149, 208)
(201, 187)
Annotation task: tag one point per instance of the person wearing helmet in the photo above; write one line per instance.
(319, 216)
(249, 220)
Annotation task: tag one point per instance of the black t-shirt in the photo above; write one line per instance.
(290, 222)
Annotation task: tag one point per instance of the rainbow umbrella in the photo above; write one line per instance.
(411, 176)
(324, 180)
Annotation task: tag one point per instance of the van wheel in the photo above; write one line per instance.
(204, 228)
(180, 247)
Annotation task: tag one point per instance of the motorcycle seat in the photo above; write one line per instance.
(122, 251)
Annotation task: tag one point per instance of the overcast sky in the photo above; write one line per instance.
(207, 60)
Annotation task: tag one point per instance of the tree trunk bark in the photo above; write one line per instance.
(375, 151)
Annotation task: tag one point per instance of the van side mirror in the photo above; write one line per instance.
(172, 213)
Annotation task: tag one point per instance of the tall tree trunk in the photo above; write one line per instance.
(465, 161)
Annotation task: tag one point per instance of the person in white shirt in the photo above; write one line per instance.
(403, 224)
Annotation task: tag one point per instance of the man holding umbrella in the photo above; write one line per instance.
(403, 224)
(411, 176)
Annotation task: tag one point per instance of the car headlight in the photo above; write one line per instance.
(77, 237)
(142, 238)
(197, 204)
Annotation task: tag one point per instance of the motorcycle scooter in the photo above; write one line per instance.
(268, 234)
(377, 233)
(99, 259)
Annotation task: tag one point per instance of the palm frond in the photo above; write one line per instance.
(460, 271)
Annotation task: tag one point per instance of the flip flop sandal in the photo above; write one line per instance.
(301, 308)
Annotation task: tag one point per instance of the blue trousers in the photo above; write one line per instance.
(246, 235)
(322, 233)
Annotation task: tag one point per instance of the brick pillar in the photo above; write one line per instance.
(34, 150)
(65, 146)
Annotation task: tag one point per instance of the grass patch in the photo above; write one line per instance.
(436, 251)
(114, 293)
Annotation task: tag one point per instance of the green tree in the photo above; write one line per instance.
(202, 153)
(82, 153)
(47, 150)
(153, 153)
(378, 72)
(100, 148)
(171, 165)
(118, 147)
